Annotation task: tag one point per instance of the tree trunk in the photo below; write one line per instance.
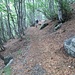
(21, 14)
(60, 13)
(51, 9)
(8, 17)
(2, 29)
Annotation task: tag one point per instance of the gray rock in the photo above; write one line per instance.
(69, 46)
(38, 70)
(57, 27)
(73, 42)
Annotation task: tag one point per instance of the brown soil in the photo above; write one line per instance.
(45, 48)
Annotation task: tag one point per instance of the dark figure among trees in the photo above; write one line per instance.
(36, 23)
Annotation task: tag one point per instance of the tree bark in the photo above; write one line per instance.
(8, 17)
(60, 13)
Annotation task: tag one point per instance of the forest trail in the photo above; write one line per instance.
(47, 51)
(41, 52)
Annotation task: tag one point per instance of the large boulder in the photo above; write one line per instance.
(69, 46)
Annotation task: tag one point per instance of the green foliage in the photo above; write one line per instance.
(1, 1)
(30, 6)
(43, 7)
(2, 7)
(19, 52)
(7, 70)
(66, 6)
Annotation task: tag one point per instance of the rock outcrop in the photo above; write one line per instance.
(69, 46)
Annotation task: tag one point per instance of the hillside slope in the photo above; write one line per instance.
(41, 52)
(47, 49)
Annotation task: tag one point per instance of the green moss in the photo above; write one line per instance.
(7, 70)
(19, 52)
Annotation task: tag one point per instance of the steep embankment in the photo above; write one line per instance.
(47, 49)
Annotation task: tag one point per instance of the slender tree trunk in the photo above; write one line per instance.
(2, 48)
(8, 17)
(51, 8)
(6, 22)
(19, 23)
(24, 15)
(2, 29)
(21, 16)
(13, 24)
(22, 26)
(60, 13)
(33, 13)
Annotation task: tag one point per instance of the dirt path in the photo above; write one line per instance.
(46, 51)
(45, 56)
(42, 55)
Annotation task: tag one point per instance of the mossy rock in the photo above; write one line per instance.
(8, 70)
(57, 26)
(43, 25)
(69, 47)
